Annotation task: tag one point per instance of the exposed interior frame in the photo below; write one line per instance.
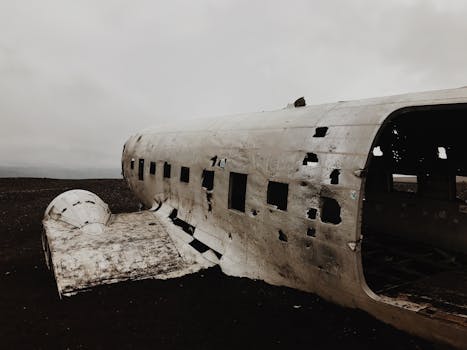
(414, 210)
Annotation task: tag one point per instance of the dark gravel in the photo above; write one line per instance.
(201, 311)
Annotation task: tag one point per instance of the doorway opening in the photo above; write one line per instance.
(414, 218)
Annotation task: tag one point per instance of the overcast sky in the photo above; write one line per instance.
(78, 77)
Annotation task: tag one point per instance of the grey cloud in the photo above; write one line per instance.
(76, 78)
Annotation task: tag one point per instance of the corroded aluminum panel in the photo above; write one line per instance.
(132, 246)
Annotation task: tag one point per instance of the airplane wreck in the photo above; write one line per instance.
(361, 202)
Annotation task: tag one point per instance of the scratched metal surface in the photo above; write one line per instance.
(132, 246)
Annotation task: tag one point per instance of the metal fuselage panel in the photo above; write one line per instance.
(315, 256)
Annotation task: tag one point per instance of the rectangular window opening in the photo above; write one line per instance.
(277, 194)
(208, 180)
(185, 174)
(141, 169)
(152, 168)
(167, 168)
(237, 191)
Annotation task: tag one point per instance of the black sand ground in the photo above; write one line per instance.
(203, 311)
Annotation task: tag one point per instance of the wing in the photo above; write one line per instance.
(85, 245)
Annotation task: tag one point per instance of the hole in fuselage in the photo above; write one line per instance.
(208, 179)
(311, 232)
(277, 194)
(321, 131)
(330, 211)
(283, 236)
(335, 176)
(311, 213)
(310, 159)
(414, 218)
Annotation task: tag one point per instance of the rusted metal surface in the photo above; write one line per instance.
(321, 154)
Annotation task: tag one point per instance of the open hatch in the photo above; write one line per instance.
(414, 224)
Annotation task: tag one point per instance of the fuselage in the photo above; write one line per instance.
(279, 196)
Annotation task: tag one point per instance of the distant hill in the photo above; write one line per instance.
(59, 173)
